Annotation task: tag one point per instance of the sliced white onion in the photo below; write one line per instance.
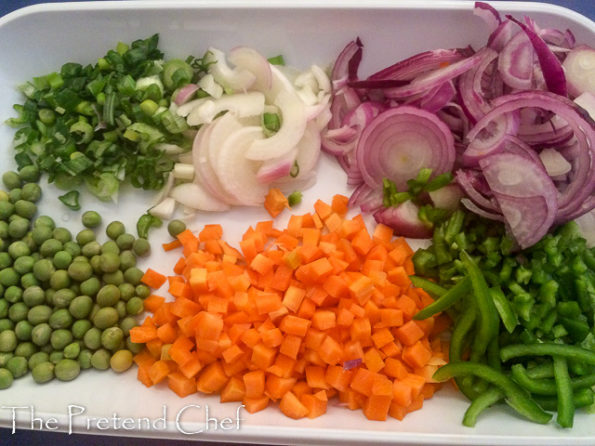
(183, 171)
(165, 209)
(293, 124)
(210, 86)
(322, 79)
(170, 149)
(193, 195)
(242, 104)
(237, 79)
(250, 60)
(236, 172)
(185, 109)
(276, 168)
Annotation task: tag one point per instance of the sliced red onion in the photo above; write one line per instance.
(579, 66)
(473, 97)
(525, 194)
(489, 139)
(515, 62)
(185, 93)
(488, 13)
(469, 204)
(502, 34)
(404, 220)
(555, 164)
(419, 64)
(550, 65)
(471, 183)
(352, 363)
(434, 78)
(447, 197)
(399, 142)
(437, 98)
(347, 63)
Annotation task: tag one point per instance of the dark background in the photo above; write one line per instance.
(29, 438)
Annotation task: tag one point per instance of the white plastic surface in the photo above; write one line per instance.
(39, 39)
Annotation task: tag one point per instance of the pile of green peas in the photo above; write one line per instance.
(67, 302)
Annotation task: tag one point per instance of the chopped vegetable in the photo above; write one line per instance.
(296, 316)
(275, 202)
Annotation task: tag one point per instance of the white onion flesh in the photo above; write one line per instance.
(193, 195)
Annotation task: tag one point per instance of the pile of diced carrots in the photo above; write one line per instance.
(314, 314)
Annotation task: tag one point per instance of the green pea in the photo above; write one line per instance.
(4, 357)
(105, 317)
(39, 314)
(72, 350)
(43, 372)
(80, 258)
(3, 308)
(6, 324)
(41, 333)
(95, 262)
(133, 275)
(72, 248)
(24, 264)
(141, 247)
(115, 229)
(91, 286)
(60, 279)
(67, 370)
(110, 262)
(80, 327)
(91, 219)
(11, 179)
(30, 173)
(8, 341)
(23, 330)
(63, 235)
(5, 260)
(6, 379)
(94, 311)
(56, 357)
(127, 323)
(18, 312)
(111, 338)
(44, 220)
(43, 269)
(18, 249)
(50, 247)
(41, 233)
(91, 249)
(127, 260)
(133, 346)
(60, 338)
(60, 318)
(175, 227)
(9, 277)
(13, 294)
(85, 359)
(115, 278)
(31, 192)
(33, 296)
(25, 208)
(17, 366)
(15, 194)
(62, 259)
(101, 359)
(37, 358)
(108, 296)
(121, 309)
(125, 241)
(121, 361)
(25, 349)
(6, 210)
(29, 280)
(81, 306)
(80, 271)
(92, 338)
(85, 236)
(134, 306)
(3, 229)
(126, 291)
(62, 298)
(110, 247)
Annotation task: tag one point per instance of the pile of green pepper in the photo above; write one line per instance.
(523, 321)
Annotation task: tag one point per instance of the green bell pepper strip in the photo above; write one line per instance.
(487, 399)
(548, 349)
(565, 415)
(460, 289)
(488, 322)
(581, 398)
(432, 288)
(515, 396)
(502, 304)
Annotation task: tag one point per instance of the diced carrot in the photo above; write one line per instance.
(174, 244)
(291, 406)
(142, 334)
(330, 351)
(409, 333)
(373, 360)
(253, 405)
(275, 201)
(254, 383)
(234, 390)
(212, 379)
(153, 302)
(276, 386)
(324, 319)
(315, 404)
(153, 279)
(376, 407)
(416, 355)
(316, 377)
(181, 385)
(262, 356)
(159, 371)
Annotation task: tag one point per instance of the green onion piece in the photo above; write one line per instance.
(271, 122)
(294, 198)
(82, 131)
(439, 182)
(71, 200)
(277, 60)
(145, 223)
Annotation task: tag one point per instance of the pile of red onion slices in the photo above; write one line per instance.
(502, 118)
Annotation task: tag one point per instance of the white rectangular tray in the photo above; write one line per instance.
(38, 39)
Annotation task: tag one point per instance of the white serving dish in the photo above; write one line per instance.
(39, 39)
